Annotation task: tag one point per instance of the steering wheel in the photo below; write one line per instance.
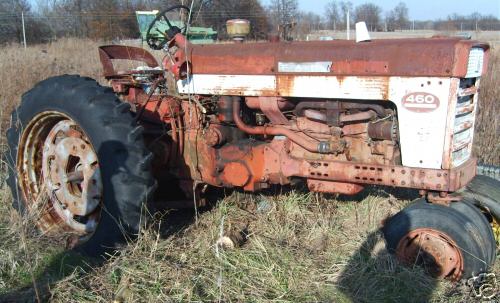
(158, 43)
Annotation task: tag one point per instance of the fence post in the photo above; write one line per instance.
(348, 26)
(24, 29)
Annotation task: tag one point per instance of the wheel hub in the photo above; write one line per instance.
(72, 176)
(433, 250)
(59, 177)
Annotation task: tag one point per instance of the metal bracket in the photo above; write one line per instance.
(442, 198)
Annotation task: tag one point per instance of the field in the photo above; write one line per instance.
(299, 247)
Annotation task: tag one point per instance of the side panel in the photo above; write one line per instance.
(370, 88)
(422, 125)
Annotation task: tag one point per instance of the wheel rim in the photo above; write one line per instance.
(433, 250)
(59, 176)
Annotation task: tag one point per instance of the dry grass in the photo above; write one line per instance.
(487, 140)
(301, 247)
(297, 248)
(20, 69)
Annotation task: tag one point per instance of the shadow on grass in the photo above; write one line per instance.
(60, 266)
(64, 264)
(369, 190)
(373, 275)
(381, 191)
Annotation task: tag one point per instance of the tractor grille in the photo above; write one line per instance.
(463, 133)
(463, 128)
(465, 113)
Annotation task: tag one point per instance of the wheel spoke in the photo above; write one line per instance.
(76, 176)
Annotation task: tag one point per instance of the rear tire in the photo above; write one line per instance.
(123, 162)
(484, 192)
(443, 240)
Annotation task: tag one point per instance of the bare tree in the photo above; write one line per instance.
(397, 18)
(284, 14)
(332, 15)
(98, 19)
(286, 10)
(474, 21)
(369, 13)
(10, 27)
(307, 23)
(11, 23)
(345, 8)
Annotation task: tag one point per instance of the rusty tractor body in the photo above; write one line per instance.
(336, 114)
(332, 115)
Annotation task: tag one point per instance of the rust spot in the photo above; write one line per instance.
(360, 67)
(341, 79)
(285, 84)
(334, 187)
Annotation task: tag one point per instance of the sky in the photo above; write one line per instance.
(418, 9)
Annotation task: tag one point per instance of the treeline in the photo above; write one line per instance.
(57, 18)
(115, 19)
(398, 19)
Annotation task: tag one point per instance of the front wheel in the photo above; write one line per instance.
(79, 169)
(445, 241)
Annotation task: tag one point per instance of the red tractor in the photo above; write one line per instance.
(334, 116)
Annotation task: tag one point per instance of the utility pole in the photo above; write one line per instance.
(24, 30)
(348, 25)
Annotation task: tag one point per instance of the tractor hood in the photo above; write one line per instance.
(443, 57)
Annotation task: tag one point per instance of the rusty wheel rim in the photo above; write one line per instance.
(433, 250)
(59, 177)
